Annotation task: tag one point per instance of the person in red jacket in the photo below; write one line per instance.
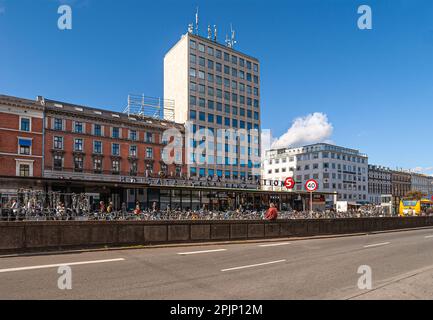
(272, 213)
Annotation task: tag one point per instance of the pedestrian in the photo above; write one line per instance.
(271, 213)
(137, 210)
(101, 207)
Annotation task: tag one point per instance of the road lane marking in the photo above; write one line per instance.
(274, 244)
(198, 252)
(253, 265)
(59, 265)
(377, 245)
(428, 237)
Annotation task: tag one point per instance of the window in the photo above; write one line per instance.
(133, 151)
(201, 74)
(97, 147)
(78, 127)
(219, 80)
(210, 77)
(115, 133)
(210, 64)
(193, 114)
(192, 100)
(115, 149)
(58, 162)
(58, 143)
(210, 51)
(218, 67)
(133, 135)
(58, 124)
(201, 102)
(193, 86)
(226, 56)
(24, 170)
(133, 168)
(234, 72)
(149, 153)
(201, 47)
(25, 146)
(115, 166)
(192, 72)
(202, 116)
(97, 165)
(201, 61)
(78, 164)
(201, 88)
(78, 145)
(192, 44)
(227, 70)
(218, 54)
(256, 67)
(192, 58)
(97, 130)
(25, 124)
(149, 137)
(234, 60)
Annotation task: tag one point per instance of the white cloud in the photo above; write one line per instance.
(313, 128)
(424, 170)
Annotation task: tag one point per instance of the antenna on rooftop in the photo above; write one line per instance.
(209, 32)
(215, 34)
(196, 22)
(232, 40)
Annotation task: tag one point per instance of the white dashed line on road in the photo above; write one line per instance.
(253, 265)
(377, 245)
(428, 237)
(274, 244)
(59, 265)
(198, 252)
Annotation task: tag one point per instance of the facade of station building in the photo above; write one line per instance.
(110, 156)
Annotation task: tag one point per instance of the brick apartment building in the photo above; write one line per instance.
(21, 138)
(93, 144)
(55, 146)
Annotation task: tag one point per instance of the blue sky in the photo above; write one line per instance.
(375, 86)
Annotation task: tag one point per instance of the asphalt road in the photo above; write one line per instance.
(401, 267)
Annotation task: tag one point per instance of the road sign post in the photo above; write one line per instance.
(311, 186)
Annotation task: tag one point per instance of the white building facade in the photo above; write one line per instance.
(422, 183)
(336, 169)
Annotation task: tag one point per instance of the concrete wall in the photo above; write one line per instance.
(41, 236)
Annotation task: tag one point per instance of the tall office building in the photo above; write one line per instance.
(216, 87)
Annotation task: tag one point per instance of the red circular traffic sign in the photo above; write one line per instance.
(311, 185)
(289, 183)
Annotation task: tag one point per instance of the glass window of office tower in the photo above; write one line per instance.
(210, 51)
(201, 47)
(192, 44)
(218, 54)
(192, 58)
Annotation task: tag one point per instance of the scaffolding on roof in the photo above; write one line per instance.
(149, 107)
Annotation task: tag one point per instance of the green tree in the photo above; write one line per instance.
(415, 195)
